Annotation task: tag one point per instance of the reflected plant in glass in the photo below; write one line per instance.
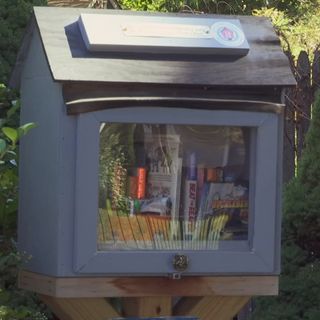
(116, 155)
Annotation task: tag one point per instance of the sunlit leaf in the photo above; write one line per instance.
(11, 133)
(11, 152)
(24, 129)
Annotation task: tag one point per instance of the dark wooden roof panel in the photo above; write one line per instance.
(69, 60)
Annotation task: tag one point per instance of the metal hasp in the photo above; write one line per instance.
(180, 262)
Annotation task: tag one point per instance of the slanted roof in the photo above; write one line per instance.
(69, 60)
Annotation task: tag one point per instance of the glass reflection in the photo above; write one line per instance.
(169, 187)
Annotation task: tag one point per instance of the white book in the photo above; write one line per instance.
(165, 165)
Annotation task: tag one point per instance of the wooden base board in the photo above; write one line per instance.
(98, 287)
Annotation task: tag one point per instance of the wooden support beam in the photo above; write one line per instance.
(80, 308)
(147, 306)
(211, 308)
(95, 287)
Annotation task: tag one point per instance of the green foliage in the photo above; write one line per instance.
(290, 7)
(150, 5)
(10, 133)
(14, 303)
(8, 163)
(14, 16)
(300, 280)
(299, 31)
(299, 297)
(302, 202)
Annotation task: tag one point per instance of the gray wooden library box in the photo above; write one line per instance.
(158, 144)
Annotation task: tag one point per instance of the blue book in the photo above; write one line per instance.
(203, 200)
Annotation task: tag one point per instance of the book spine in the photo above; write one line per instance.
(201, 178)
(176, 189)
(190, 200)
(141, 187)
(133, 186)
(203, 200)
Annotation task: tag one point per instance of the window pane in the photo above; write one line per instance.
(169, 187)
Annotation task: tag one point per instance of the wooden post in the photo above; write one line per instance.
(147, 306)
(289, 145)
(80, 308)
(316, 72)
(304, 99)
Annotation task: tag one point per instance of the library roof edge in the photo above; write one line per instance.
(69, 60)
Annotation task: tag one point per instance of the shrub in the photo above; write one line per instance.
(14, 16)
(300, 279)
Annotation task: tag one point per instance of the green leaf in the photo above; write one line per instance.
(24, 129)
(11, 207)
(3, 145)
(11, 133)
(15, 107)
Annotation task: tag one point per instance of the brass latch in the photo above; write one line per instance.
(180, 262)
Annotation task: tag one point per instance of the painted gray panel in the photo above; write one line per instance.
(39, 158)
(279, 196)
(259, 259)
(253, 167)
(180, 116)
(160, 263)
(66, 193)
(87, 173)
(266, 190)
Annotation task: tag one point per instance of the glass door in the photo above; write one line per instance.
(172, 187)
(154, 182)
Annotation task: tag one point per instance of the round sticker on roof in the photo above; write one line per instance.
(227, 34)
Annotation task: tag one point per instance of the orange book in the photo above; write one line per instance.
(141, 187)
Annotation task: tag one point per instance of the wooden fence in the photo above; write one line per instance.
(299, 102)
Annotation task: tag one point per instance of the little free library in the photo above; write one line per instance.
(153, 177)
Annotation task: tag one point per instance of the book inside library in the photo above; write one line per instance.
(173, 187)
